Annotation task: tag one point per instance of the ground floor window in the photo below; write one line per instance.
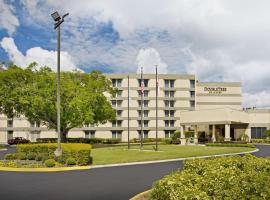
(169, 133)
(145, 134)
(117, 134)
(90, 134)
(258, 132)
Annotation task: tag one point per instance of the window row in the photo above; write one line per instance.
(169, 83)
(168, 94)
(118, 134)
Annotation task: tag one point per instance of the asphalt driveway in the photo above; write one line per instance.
(112, 183)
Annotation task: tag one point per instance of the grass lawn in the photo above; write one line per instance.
(111, 155)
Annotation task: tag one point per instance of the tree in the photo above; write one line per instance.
(32, 93)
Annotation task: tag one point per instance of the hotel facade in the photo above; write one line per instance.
(184, 104)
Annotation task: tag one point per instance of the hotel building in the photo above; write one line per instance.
(184, 103)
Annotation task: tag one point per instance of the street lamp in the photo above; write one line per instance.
(58, 21)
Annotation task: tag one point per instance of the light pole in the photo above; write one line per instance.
(58, 21)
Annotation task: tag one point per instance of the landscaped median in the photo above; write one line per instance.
(40, 157)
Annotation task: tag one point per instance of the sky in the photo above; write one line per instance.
(217, 40)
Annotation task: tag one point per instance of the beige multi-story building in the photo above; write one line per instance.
(183, 103)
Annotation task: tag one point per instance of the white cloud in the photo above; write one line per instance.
(8, 20)
(218, 40)
(259, 99)
(36, 54)
(148, 59)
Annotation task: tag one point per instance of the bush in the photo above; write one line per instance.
(46, 151)
(72, 140)
(21, 156)
(232, 177)
(266, 141)
(71, 161)
(167, 140)
(230, 145)
(111, 141)
(49, 163)
(31, 156)
(39, 157)
(176, 135)
(84, 157)
(10, 156)
(244, 137)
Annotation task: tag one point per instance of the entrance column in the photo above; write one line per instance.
(227, 132)
(182, 137)
(195, 134)
(213, 133)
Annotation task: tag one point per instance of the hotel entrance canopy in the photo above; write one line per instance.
(214, 116)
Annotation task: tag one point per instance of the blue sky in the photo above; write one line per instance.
(217, 40)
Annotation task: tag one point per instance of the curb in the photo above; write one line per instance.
(3, 149)
(140, 194)
(56, 169)
(170, 160)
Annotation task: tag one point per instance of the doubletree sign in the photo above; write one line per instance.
(215, 90)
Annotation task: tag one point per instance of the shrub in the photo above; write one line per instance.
(266, 141)
(167, 140)
(49, 163)
(21, 156)
(84, 157)
(31, 156)
(176, 135)
(244, 137)
(71, 161)
(46, 140)
(39, 157)
(229, 145)
(111, 141)
(72, 140)
(46, 151)
(232, 177)
(10, 156)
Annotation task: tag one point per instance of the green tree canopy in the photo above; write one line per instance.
(32, 92)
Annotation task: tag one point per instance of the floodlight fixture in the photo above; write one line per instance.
(56, 17)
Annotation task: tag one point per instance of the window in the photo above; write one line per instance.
(145, 93)
(116, 82)
(119, 113)
(169, 123)
(35, 124)
(145, 123)
(145, 81)
(117, 134)
(116, 103)
(89, 134)
(258, 132)
(169, 94)
(117, 123)
(192, 94)
(145, 113)
(169, 113)
(145, 134)
(145, 103)
(10, 123)
(169, 133)
(192, 104)
(169, 83)
(169, 103)
(192, 83)
(119, 93)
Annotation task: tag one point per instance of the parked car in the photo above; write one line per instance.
(18, 140)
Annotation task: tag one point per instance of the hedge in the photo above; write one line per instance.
(229, 145)
(234, 177)
(266, 141)
(81, 140)
(81, 152)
